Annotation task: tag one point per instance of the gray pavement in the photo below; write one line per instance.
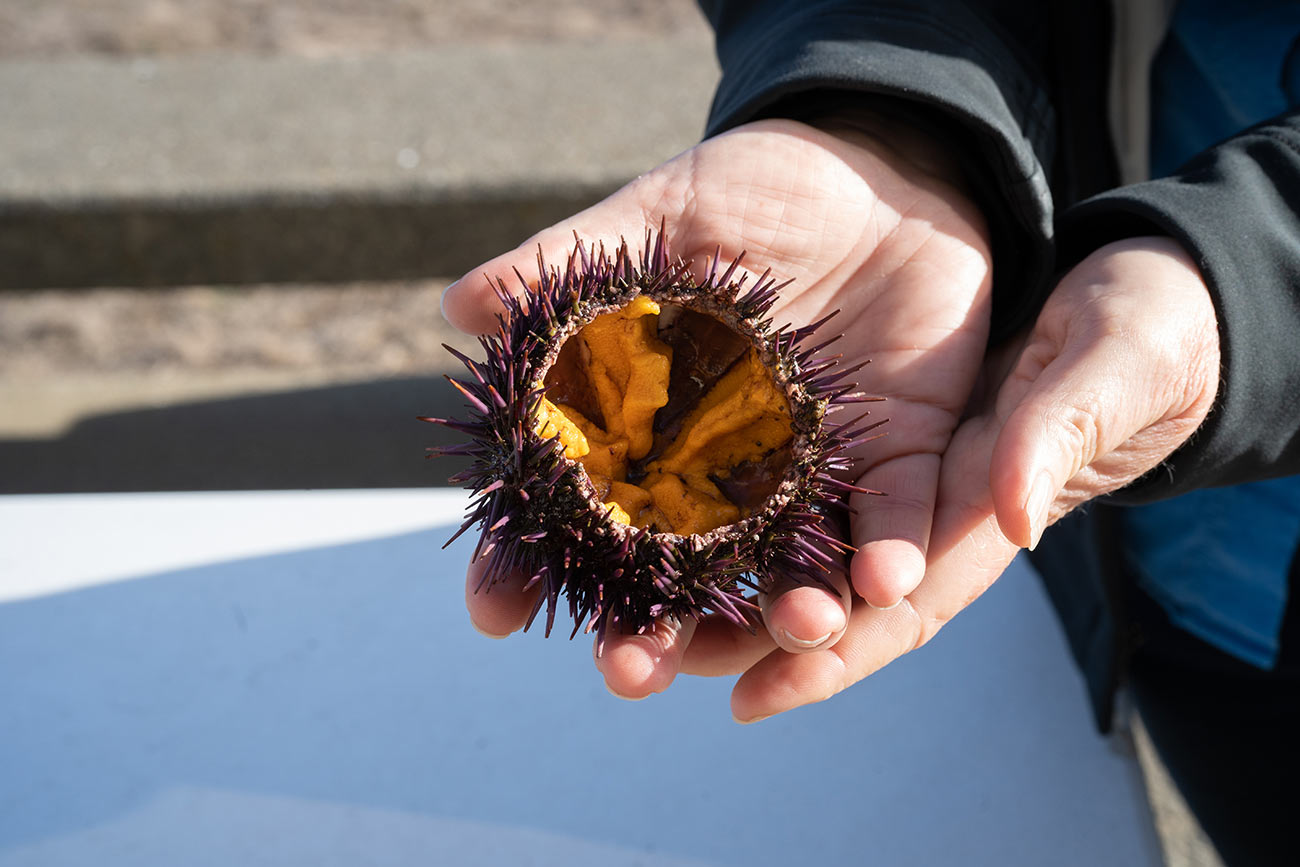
(235, 169)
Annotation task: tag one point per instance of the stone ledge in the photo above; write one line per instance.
(238, 169)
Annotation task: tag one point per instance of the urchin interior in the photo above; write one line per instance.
(673, 415)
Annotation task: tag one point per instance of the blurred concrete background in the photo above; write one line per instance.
(225, 225)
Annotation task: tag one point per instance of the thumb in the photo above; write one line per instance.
(1072, 432)
(1122, 367)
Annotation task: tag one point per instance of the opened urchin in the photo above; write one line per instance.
(644, 443)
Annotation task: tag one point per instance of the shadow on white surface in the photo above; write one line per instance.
(332, 706)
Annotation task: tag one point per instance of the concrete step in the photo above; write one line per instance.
(235, 169)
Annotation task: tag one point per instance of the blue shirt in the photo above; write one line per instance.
(1218, 560)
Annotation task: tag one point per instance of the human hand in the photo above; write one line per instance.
(1120, 369)
(871, 228)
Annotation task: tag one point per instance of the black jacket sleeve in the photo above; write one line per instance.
(1236, 209)
(951, 68)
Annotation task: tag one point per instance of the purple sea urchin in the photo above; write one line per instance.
(645, 443)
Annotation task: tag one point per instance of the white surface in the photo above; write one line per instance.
(289, 678)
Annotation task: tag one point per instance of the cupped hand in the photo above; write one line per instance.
(867, 223)
(1120, 369)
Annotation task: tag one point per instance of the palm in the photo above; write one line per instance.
(902, 257)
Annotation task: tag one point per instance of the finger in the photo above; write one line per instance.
(1083, 405)
(636, 666)
(1136, 372)
(782, 681)
(967, 552)
(805, 617)
(501, 608)
(720, 648)
(892, 532)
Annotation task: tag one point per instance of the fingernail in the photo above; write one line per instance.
(897, 602)
(806, 643)
(442, 299)
(749, 722)
(1037, 506)
(612, 692)
(493, 635)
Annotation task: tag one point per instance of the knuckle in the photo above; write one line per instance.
(917, 628)
(1079, 426)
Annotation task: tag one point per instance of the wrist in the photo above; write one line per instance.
(1174, 285)
(910, 152)
(916, 149)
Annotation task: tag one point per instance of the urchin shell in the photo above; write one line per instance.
(536, 509)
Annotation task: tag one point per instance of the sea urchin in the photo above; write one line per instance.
(645, 443)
